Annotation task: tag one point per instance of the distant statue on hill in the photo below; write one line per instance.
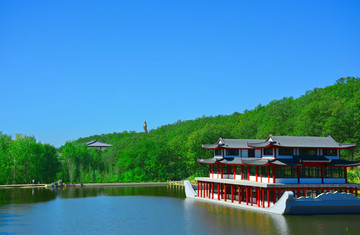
(145, 127)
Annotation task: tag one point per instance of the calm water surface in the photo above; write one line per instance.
(147, 210)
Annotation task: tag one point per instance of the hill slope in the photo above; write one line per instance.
(170, 151)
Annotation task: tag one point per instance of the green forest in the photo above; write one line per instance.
(170, 152)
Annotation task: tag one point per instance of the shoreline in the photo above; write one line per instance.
(87, 185)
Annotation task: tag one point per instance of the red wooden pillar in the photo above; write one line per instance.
(261, 169)
(218, 191)
(322, 174)
(274, 196)
(232, 193)
(234, 172)
(247, 195)
(225, 195)
(274, 181)
(256, 173)
(268, 197)
(248, 172)
(212, 190)
(269, 174)
(239, 193)
(217, 176)
(241, 168)
(251, 195)
(263, 198)
(198, 189)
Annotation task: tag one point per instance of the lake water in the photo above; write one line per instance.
(147, 210)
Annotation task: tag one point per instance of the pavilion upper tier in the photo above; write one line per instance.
(279, 142)
(279, 150)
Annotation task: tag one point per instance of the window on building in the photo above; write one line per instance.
(268, 151)
(251, 153)
(232, 152)
(307, 152)
(310, 172)
(225, 169)
(264, 171)
(286, 172)
(231, 169)
(285, 151)
(218, 152)
(334, 172)
(330, 152)
(245, 172)
(252, 170)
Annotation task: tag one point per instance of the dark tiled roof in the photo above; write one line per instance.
(343, 163)
(285, 162)
(95, 143)
(231, 143)
(207, 161)
(301, 142)
(307, 142)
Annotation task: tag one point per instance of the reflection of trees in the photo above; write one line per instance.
(26, 195)
(163, 191)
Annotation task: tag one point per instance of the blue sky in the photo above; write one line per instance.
(71, 69)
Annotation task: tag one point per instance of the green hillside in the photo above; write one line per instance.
(170, 151)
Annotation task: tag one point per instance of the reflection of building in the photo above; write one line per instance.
(98, 145)
(258, 172)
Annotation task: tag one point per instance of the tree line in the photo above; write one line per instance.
(170, 151)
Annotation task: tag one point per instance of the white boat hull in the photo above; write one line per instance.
(325, 203)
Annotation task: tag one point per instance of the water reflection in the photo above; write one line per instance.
(234, 220)
(153, 210)
(121, 191)
(25, 195)
(237, 220)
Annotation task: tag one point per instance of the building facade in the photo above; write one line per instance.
(257, 172)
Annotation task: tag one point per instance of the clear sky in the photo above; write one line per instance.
(71, 69)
